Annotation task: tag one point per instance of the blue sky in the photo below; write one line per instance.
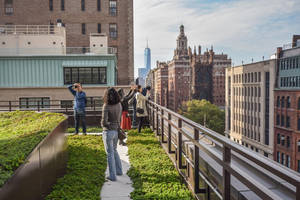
(243, 29)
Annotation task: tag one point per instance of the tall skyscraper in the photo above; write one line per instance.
(147, 66)
(147, 58)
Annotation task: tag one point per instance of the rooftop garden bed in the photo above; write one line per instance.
(20, 133)
(85, 170)
(152, 172)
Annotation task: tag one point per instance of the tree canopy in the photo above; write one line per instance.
(204, 113)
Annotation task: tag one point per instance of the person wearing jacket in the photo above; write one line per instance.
(111, 116)
(141, 109)
(79, 106)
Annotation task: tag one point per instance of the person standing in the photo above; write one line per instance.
(111, 117)
(125, 120)
(141, 109)
(79, 106)
(133, 103)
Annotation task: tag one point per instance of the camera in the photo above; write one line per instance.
(76, 86)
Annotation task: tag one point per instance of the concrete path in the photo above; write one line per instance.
(120, 189)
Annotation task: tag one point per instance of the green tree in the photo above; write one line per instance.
(204, 113)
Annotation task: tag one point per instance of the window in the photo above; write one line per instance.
(278, 138)
(282, 140)
(83, 5)
(266, 154)
(288, 142)
(34, 102)
(66, 104)
(9, 10)
(99, 5)
(259, 76)
(298, 144)
(278, 102)
(282, 158)
(287, 121)
(113, 33)
(83, 29)
(282, 120)
(99, 28)
(278, 156)
(282, 102)
(85, 75)
(299, 103)
(94, 102)
(298, 166)
(113, 8)
(62, 5)
(51, 5)
(288, 102)
(113, 50)
(299, 124)
(288, 161)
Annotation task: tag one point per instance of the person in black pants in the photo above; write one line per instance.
(141, 109)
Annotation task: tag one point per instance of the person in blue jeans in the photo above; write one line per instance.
(79, 106)
(111, 118)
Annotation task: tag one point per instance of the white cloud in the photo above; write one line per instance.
(243, 29)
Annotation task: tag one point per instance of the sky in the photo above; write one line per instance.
(243, 29)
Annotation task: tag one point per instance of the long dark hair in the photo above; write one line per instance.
(111, 96)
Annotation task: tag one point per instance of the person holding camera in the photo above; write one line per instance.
(141, 109)
(79, 106)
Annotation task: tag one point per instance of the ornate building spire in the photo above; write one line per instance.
(181, 51)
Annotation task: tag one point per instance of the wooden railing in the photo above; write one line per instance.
(214, 167)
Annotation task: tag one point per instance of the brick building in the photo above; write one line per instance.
(81, 18)
(287, 106)
(150, 81)
(208, 74)
(179, 74)
(202, 65)
(193, 75)
(161, 83)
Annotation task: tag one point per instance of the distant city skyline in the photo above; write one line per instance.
(242, 29)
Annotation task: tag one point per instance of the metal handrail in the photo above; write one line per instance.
(292, 177)
(31, 29)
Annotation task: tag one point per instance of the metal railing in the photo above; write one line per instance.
(50, 106)
(57, 51)
(31, 29)
(291, 45)
(214, 167)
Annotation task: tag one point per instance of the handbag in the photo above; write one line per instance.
(121, 134)
(140, 110)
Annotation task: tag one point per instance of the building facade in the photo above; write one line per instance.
(179, 74)
(36, 66)
(209, 76)
(150, 81)
(287, 106)
(161, 84)
(250, 107)
(81, 18)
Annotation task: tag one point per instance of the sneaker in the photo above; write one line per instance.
(109, 179)
(84, 134)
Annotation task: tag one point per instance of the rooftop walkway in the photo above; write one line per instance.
(121, 188)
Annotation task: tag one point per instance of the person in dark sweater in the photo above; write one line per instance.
(79, 106)
(111, 117)
(125, 120)
(145, 90)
